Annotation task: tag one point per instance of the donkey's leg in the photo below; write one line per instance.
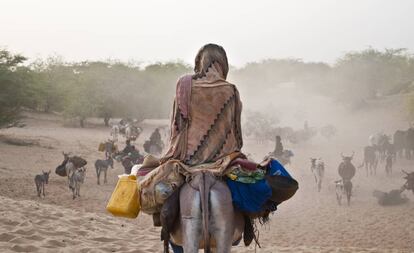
(191, 221)
(43, 189)
(38, 189)
(319, 184)
(222, 221)
(78, 184)
(98, 174)
(73, 192)
(105, 181)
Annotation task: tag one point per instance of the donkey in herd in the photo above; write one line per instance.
(318, 169)
(71, 164)
(206, 218)
(40, 181)
(77, 178)
(102, 166)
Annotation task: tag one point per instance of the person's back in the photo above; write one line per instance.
(278, 147)
(155, 138)
(206, 120)
(128, 148)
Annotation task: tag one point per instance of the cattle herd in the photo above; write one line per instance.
(382, 150)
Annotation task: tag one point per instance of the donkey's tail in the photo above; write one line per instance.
(205, 185)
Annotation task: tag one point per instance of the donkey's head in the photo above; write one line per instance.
(46, 176)
(65, 156)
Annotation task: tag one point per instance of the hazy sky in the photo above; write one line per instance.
(155, 30)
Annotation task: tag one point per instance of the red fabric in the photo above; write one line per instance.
(144, 171)
(246, 164)
(183, 95)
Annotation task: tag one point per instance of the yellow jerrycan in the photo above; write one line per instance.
(124, 201)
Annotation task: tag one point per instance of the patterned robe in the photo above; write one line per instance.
(205, 125)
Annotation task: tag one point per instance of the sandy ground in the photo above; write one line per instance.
(310, 222)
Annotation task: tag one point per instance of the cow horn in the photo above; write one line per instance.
(405, 172)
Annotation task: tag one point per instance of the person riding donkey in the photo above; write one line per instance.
(278, 147)
(205, 136)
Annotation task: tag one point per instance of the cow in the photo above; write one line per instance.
(370, 160)
(380, 142)
(347, 171)
(399, 142)
(388, 163)
(409, 184)
(409, 143)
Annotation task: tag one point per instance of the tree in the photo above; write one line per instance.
(12, 86)
(372, 73)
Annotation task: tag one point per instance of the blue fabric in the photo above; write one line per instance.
(275, 168)
(176, 248)
(249, 197)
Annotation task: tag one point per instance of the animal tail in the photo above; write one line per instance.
(205, 186)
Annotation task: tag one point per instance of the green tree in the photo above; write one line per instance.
(12, 86)
(371, 73)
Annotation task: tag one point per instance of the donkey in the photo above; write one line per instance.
(207, 217)
(71, 164)
(69, 167)
(77, 178)
(102, 166)
(40, 181)
(318, 169)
